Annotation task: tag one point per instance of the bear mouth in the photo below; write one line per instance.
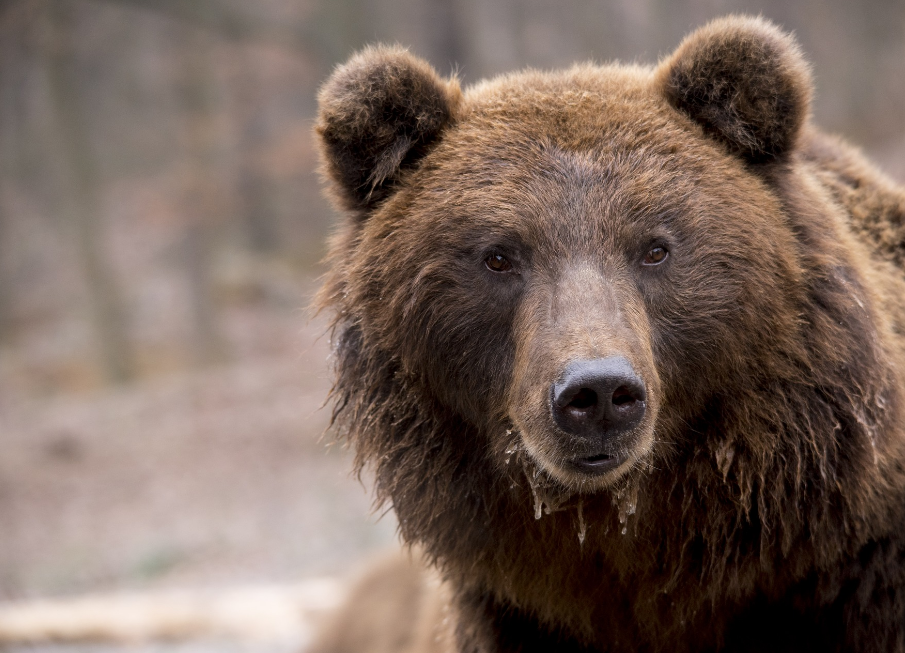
(598, 464)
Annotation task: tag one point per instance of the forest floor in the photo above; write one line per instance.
(210, 479)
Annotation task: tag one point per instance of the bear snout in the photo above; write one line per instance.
(597, 400)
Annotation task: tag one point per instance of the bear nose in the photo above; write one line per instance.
(602, 397)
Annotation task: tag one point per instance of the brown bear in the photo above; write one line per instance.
(625, 348)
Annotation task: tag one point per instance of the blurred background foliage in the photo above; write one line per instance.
(157, 168)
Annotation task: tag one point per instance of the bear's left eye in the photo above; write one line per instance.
(655, 256)
(498, 263)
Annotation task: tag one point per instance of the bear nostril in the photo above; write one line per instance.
(623, 396)
(584, 399)
(598, 398)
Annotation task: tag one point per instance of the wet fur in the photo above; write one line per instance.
(768, 512)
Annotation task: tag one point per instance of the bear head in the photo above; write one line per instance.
(574, 268)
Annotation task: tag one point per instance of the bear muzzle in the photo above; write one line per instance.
(596, 401)
(585, 388)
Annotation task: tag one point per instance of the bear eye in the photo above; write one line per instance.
(655, 256)
(498, 263)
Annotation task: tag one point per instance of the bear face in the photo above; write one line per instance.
(572, 259)
(515, 263)
(639, 284)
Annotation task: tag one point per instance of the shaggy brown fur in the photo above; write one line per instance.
(395, 607)
(688, 221)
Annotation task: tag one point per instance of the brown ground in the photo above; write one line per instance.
(213, 478)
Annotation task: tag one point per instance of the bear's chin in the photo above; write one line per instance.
(584, 474)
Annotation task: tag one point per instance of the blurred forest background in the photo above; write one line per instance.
(161, 228)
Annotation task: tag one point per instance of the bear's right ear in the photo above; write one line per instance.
(379, 113)
(745, 82)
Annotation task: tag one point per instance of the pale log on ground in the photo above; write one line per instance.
(257, 613)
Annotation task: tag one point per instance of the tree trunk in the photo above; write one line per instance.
(80, 206)
(204, 200)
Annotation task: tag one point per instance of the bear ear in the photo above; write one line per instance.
(378, 114)
(745, 81)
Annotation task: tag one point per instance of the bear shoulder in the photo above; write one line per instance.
(875, 203)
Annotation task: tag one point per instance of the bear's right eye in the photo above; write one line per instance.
(655, 256)
(498, 263)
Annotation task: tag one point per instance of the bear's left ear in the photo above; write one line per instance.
(378, 113)
(745, 81)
